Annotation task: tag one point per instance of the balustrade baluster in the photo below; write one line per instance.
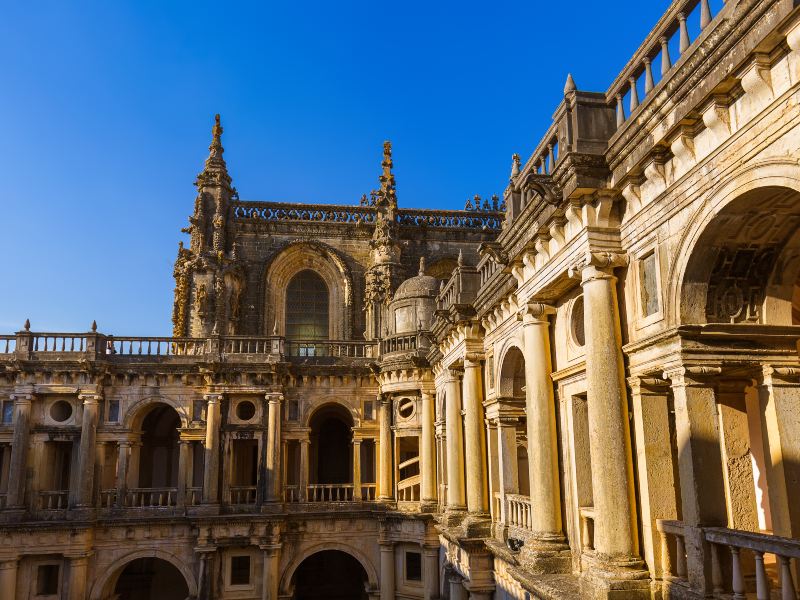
(716, 570)
(666, 63)
(680, 556)
(684, 33)
(620, 111)
(787, 585)
(737, 583)
(705, 14)
(634, 94)
(762, 583)
(666, 562)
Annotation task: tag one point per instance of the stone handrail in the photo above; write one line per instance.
(8, 344)
(673, 544)
(408, 489)
(369, 492)
(28, 345)
(291, 493)
(518, 511)
(672, 22)
(242, 494)
(330, 492)
(784, 549)
(53, 499)
(287, 211)
(108, 498)
(400, 342)
(152, 497)
(451, 219)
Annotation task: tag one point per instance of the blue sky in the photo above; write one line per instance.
(107, 109)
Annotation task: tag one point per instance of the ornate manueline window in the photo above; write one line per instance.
(307, 301)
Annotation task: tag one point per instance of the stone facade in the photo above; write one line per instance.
(588, 388)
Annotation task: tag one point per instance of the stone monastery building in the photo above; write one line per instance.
(588, 388)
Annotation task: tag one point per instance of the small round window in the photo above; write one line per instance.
(406, 408)
(60, 411)
(245, 410)
(576, 322)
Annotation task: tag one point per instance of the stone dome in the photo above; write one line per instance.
(420, 286)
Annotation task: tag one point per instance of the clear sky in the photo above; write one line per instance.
(107, 109)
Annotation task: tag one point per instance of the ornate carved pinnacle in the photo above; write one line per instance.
(94, 326)
(27, 325)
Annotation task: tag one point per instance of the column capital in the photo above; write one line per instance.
(777, 376)
(473, 360)
(212, 398)
(692, 375)
(274, 397)
(536, 313)
(21, 398)
(453, 373)
(357, 441)
(90, 397)
(644, 384)
(593, 266)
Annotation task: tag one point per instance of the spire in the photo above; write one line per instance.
(570, 85)
(215, 171)
(387, 195)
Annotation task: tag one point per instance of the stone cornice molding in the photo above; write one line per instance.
(598, 261)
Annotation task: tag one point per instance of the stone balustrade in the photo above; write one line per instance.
(28, 345)
(242, 495)
(330, 492)
(518, 511)
(161, 497)
(53, 499)
(638, 77)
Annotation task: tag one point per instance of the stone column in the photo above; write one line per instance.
(123, 454)
(184, 448)
(270, 580)
(474, 440)
(357, 469)
(430, 572)
(8, 578)
(87, 450)
(609, 436)
(78, 571)
(387, 571)
(650, 399)
(303, 479)
(19, 450)
(779, 396)
(273, 447)
(428, 447)
(699, 465)
(541, 422)
(737, 463)
(385, 473)
(457, 591)
(453, 430)
(211, 466)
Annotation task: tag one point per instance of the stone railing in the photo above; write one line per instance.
(733, 543)
(369, 492)
(330, 492)
(108, 498)
(27, 345)
(408, 489)
(518, 511)
(456, 219)
(639, 78)
(673, 551)
(242, 494)
(285, 211)
(151, 497)
(53, 499)
(8, 344)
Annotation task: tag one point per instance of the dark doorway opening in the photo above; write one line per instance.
(151, 579)
(330, 575)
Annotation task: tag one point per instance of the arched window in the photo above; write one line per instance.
(307, 301)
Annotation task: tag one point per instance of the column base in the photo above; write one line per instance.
(546, 555)
(605, 578)
(476, 525)
(453, 516)
(428, 506)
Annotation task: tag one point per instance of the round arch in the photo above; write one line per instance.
(329, 265)
(512, 361)
(683, 306)
(291, 568)
(333, 405)
(108, 576)
(136, 412)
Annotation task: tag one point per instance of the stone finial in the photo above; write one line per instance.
(468, 204)
(27, 325)
(215, 163)
(515, 165)
(422, 265)
(94, 326)
(570, 85)
(460, 258)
